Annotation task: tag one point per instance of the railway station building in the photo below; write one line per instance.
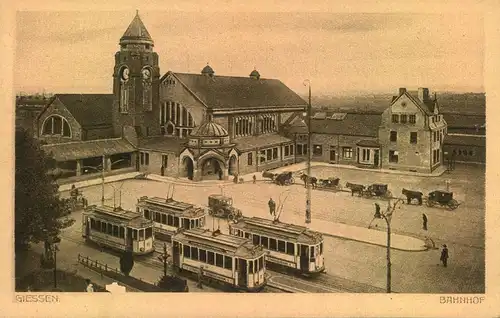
(199, 126)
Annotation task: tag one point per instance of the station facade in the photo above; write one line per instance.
(199, 126)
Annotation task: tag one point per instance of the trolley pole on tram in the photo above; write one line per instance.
(309, 150)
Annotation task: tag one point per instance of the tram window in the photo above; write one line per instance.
(312, 251)
(219, 260)
(281, 246)
(191, 223)
(164, 219)
(247, 235)
(203, 255)
(103, 227)
(196, 223)
(321, 248)
(264, 241)
(290, 248)
(147, 214)
(110, 229)
(176, 221)
(194, 253)
(141, 234)
(122, 232)
(256, 239)
(149, 232)
(157, 217)
(187, 251)
(170, 220)
(228, 262)
(210, 258)
(115, 230)
(185, 224)
(134, 234)
(272, 244)
(261, 262)
(92, 223)
(250, 267)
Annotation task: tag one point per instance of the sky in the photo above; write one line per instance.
(73, 51)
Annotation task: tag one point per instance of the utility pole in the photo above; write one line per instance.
(102, 179)
(309, 150)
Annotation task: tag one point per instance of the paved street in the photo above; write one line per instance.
(417, 272)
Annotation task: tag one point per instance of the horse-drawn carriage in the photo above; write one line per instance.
(373, 190)
(76, 200)
(221, 206)
(442, 198)
(438, 197)
(284, 178)
(330, 184)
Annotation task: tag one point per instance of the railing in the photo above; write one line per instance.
(133, 283)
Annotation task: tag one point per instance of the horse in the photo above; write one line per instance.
(410, 195)
(359, 188)
(313, 180)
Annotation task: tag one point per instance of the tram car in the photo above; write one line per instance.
(118, 229)
(170, 215)
(229, 260)
(290, 246)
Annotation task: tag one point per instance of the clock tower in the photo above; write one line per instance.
(136, 79)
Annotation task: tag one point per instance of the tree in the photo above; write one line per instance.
(126, 262)
(37, 204)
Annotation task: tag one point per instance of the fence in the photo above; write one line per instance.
(114, 273)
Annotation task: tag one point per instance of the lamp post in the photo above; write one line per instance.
(308, 114)
(387, 216)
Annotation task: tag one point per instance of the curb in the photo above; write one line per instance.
(424, 249)
(397, 172)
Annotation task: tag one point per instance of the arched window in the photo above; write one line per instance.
(56, 125)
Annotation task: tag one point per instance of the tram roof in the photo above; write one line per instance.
(119, 216)
(171, 206)
(229, 245)
(279, 230)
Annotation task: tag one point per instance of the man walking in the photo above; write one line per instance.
(424, 219)
(308, 211)
(254, 179)
(200, 278)
(444, 255)
(272, 206)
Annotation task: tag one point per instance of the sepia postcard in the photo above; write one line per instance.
(260, 159)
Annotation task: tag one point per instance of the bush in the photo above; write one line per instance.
(173, 284)
(126, 262)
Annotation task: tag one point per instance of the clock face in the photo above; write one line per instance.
(146, 74)
(125, 74)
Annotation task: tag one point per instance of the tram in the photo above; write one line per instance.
(291, 246)
(118, 229)
(170, 215)
(227, 259)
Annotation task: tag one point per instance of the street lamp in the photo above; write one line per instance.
(308, 114)
(100, 168)
(387, 216)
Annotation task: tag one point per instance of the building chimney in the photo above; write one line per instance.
(423, 94)
(402, 90)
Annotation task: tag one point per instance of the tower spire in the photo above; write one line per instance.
(136, 32)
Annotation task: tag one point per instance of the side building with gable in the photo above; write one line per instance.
(407, 136)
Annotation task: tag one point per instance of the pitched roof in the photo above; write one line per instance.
(253, 142)
(230, 92)
(465, 140)
(161, 143)
(464, 120)
(89, 109)
(136, 31)
(354, 124)
(427, 106)
(87, 149)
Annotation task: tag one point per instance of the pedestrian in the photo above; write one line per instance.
(90, 287)
(254, 179)
(377, 211)
(162, 170)
(308, 211)
(272, 206)
(200, 278)
(424, 219)
(444, 255)
(220, 174)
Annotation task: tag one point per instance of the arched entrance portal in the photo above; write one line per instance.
(212, 169)
(188, 166)
(233, 165)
